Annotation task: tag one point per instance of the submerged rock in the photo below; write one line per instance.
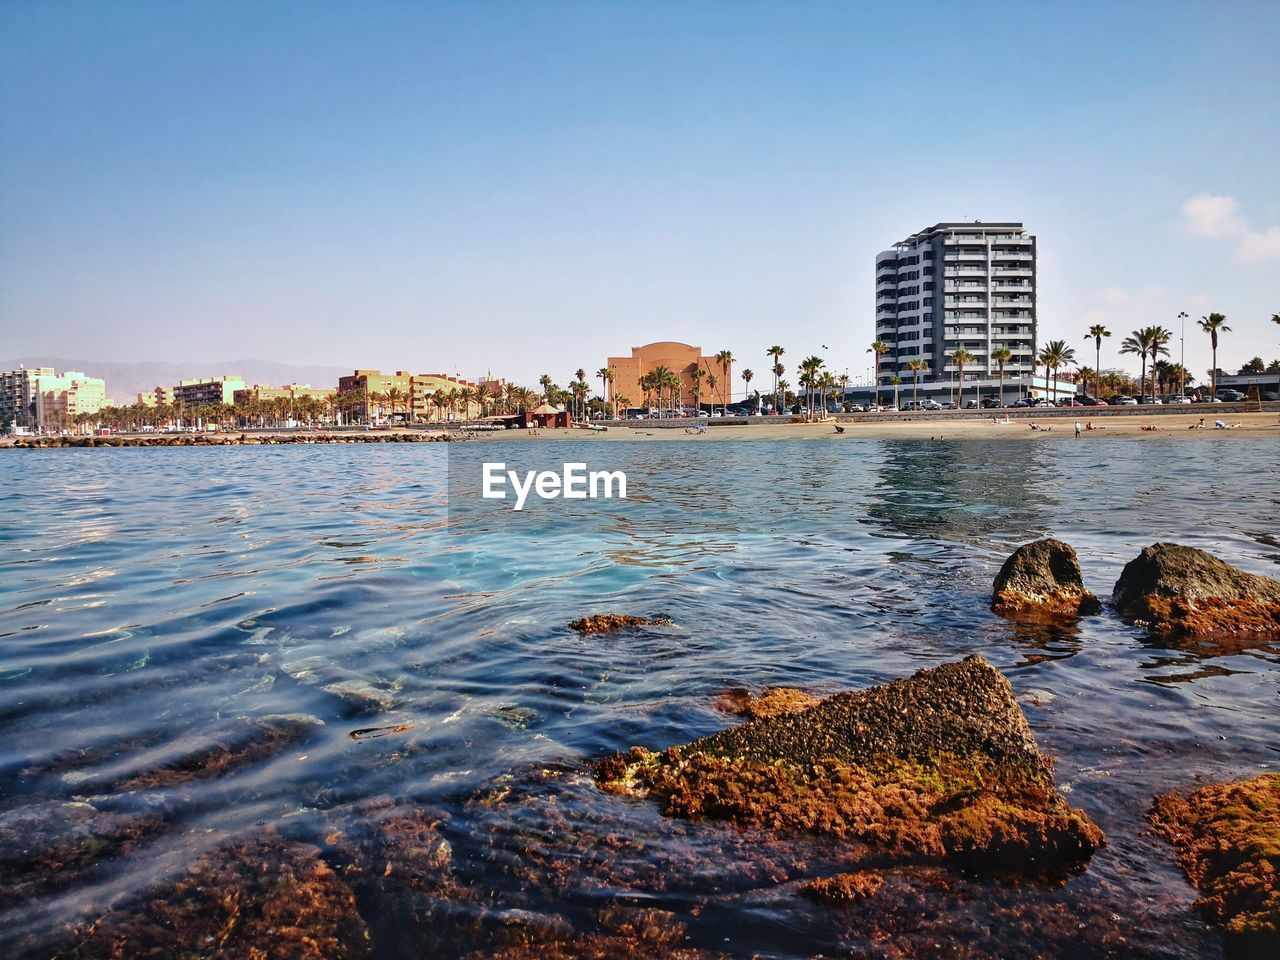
(844, 887)
(1178, 591)
(941, 766)
(265, 899)
(1228, 841)
(609, 622)
(1042, 578)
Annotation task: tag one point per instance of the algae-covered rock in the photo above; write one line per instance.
(1227, 837)
(1042, 578)
(843, 887)
(940, 766)
(611, 622)
(1178, 591)
(263, 899)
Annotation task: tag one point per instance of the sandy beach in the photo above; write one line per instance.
(1106, 427)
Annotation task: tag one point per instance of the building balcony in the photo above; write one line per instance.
(1012, 271)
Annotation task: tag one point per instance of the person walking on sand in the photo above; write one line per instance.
(1079, 429)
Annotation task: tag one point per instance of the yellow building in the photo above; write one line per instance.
(371, 382)
(156, 397)
(291, 391)
(427, 385)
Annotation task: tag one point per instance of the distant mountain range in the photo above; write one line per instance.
(126, 380)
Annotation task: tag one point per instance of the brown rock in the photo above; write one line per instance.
(844, 887)
(1227, 837)
(1042, 578)
(1178, 591)
(941, 766)
(610, 622)
(771, 701)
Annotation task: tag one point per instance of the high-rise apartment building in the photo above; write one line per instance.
(953, 285)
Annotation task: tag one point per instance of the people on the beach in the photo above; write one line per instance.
(1148, 428)
(1079, 429)
(1197, 426)
(1223, 425)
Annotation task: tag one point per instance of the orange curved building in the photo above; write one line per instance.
(680, 358)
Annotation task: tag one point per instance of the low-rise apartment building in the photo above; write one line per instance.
(209, 390)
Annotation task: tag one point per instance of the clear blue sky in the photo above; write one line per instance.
(530, 187)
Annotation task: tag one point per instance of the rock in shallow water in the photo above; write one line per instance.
(1178, 591)
(1042, 578)
(610, 622)
(1228, 841)
(941, 766)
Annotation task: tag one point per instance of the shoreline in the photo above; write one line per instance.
(1061, 426)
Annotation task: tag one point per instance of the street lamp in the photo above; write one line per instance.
(1182, 361)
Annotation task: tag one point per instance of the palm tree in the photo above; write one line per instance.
(545, 381)
(1001, 355)
(1096, 333)
(782, 388)
(697, 375)
(1160, 338)
(916, 366)
(1139, 342)
(1214, 324)
(895, 380)
(747, 377)
(1275, 318)
(579, 376)
(1085, 375)
(1056, 354)
(809, 370)
(606, 378)
(675, 385)
(776, 353)
(879, 348)
(960, 357)
(724, 357)
(395, 397)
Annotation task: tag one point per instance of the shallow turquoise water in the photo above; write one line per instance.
(151, 598)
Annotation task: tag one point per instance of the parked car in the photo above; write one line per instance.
(1179, 398)
(931, 404)
(1149, 400)
(971, 405)
(1120, 400)
(1271, 395)
(1231, 396)
(990, 403)
(1070, 402)
(872, 408)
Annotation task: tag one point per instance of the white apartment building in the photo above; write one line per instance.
(953, 285)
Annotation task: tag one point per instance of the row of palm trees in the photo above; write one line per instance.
(344, 407)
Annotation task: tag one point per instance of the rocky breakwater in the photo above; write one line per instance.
(939, 768)
(1176, 592)
(1042, 579)
(220, 440)
(1227, 837)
